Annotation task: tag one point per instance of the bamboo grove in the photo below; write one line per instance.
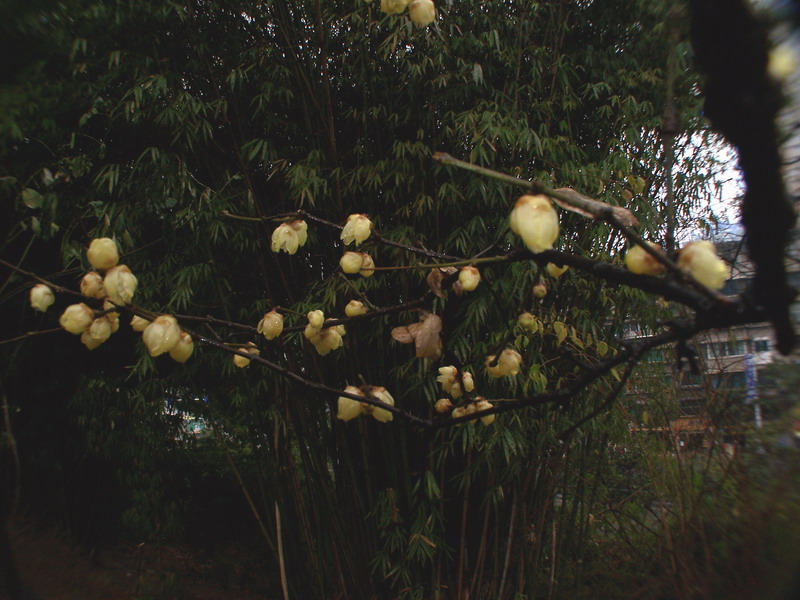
(188, 131)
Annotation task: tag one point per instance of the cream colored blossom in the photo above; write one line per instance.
(289, 236)
(92, 285)
(527, 321)
(355, 308)
(443, 405)
(535, 220)
(367, 266)
(324, 340)
(540, 290)
(183, 349)
(243, 361)
(120, 284)
(508, 363)
(639, 261)
(138, 323)
(100, 329)
(316, 318)
(379, 414)
(102, 253)
(161, 335)
(271, 325)
(347, 408)
(41, 297)
(700, 260)
(357, 229)
(351, 262)
(485, 405)
(394, 7)
(90, 342)
(422, 12)
(76, 318)
(469, 278)
(555, 271)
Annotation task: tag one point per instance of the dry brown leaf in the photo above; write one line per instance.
(424, 333)
(591, 208)
(435, 278)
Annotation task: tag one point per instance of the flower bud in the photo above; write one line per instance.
(351, 262)
(100, 329)
(367, 266)
(326, 340)
(485, 405)
(111, 313)
(183, 349)
(443, 405)
(102, 253)
(161, 335)
(700, 260)
(527, 321)
(555, 271)
(540, 290)
(347, 408)
(41, 297)
(241, 361)
(507, 364)
(316, 318)
(357, 229)
(271, 325)
(355, 308)
(92, 285)
(120, 284)
(76, 318)
(640, 262)
(469, 278)
(467, 382)
(138, 323)
(448, 377)
(394, 7)
(422, 12)
(535, 220)
(90, 342)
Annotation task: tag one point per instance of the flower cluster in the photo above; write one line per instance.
(242, 361)
(348, 409)
(455, 382)
(324, 339)
(473, 407)
(421, 12)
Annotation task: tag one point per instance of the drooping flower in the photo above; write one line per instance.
(527, 321)
(700, 260)
(41, 297)
(271, 325)
(120, 284)
(555, 271)
(367, 266)
(535, 220)
(92, 285)
(289, 236)
(324, 340)
(161, 335)
(443, 405)
(422, 12)
(138, 323)
(355, 308)
(351, 262)
(507, 364)
(485, 405)
(76, 318)
(100, 329)
(540, 290)
(394, 7)
(379, 414)
(454, 382)
(183, 349)
(102, 253)
(347, 408)
(357, 229)
(242, 361)
(469, 278)
(639, 261)
(316, 318)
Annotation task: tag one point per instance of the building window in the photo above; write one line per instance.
(760, 345)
